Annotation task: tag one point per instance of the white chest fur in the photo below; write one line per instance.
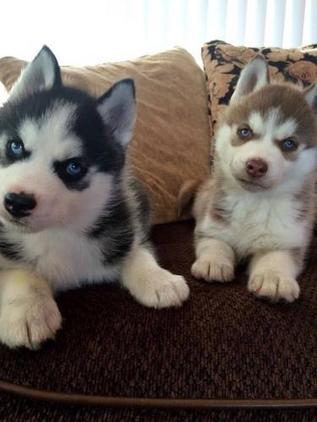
(256, 222)
(66, 259)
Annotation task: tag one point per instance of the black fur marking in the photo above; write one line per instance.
(9, 249)
(117, 246)
(99, 145)
(6, 161)
(115, 230)
(76, 182)
(115, 214)
(79, 186)
(143, 206)
(115, 227)
(9, 158)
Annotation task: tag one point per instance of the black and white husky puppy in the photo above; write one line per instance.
(70, 212)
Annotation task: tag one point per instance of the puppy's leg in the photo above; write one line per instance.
(29, 314)
(150, 284)
(215, 260)
(273, 275)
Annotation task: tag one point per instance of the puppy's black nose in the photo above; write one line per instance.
(19, 204)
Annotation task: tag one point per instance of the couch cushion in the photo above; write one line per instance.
(223, 63)
(222, 344)
(171, 138)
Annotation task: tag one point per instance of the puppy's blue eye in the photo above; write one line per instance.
(15, 149)
(288, 145)
(74, 168)
(71, 171)
(245, 132)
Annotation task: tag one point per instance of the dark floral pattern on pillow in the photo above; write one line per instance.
(223, 63)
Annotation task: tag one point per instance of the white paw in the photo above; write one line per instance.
(274, 286)
(29, 322)
(211, 270)
(163, 289)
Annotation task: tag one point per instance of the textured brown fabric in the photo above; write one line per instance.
(222, 344)
(172, 135)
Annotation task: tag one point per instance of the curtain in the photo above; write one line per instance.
(92, 31)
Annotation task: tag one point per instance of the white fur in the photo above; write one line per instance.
(3, 94)
(69, 258)
(273, 274)
(29, 313)
(311, 97)
(57, 207)
(258, 221)
(49, 136)
(272, 127)
(282, 174)
(221, 267)
(150, 284)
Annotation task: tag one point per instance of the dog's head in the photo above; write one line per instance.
(268, 136)
(61, 151)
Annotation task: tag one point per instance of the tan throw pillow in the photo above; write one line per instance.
(172, 136)
(223, 63)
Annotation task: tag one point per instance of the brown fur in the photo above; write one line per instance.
(288, 155)
(238, 140)
(186, 196)
(306, 200)
(209, 198)
(288, 99)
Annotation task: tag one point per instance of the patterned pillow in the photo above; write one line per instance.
(223, 63)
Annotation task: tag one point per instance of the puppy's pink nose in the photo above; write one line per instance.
(256, 167)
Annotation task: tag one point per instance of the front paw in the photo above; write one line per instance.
(211, 270)
(274, 286)
(163, 289)
(30, 321)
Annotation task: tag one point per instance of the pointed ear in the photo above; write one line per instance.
(117, 108)
(311, 97)
(42, 72)
(253, 76)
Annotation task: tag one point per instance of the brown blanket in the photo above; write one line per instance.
(222, 344)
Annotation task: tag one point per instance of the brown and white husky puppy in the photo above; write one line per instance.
(260, 202)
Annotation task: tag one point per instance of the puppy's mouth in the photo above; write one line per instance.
(9, 218)
(252, 185)
(24, 224)
(20, 223)
(17, 222)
